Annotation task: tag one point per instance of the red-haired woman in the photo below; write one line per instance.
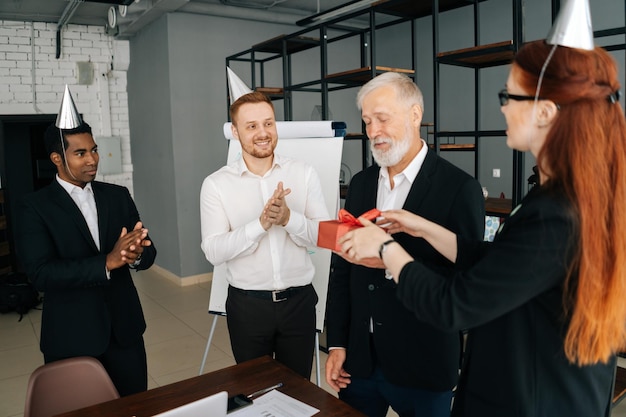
(544, 302)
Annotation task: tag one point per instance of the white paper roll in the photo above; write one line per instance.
(293, 130)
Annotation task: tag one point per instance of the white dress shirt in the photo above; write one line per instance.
(393, 199)
(388, 199)
(231, 202)
(86, 202)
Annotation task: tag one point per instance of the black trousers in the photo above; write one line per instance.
(284, 330)
(126, 365)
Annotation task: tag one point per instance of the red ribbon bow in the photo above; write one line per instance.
(346, 217)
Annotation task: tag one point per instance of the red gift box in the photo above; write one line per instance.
(331, 230)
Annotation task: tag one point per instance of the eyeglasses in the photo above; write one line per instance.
(504, 97)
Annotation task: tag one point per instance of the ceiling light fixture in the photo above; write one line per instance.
(112, 17)
(115, 2)
(335, 12)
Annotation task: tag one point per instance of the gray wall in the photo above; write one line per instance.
(150, 119)
(177, 107)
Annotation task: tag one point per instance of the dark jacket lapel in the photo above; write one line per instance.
(422, 183)
(103, 211)
(65, 201)
(371, 181)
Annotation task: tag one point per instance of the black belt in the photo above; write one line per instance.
(275, 296)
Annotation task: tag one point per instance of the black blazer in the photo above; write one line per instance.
(509, 293)
(411, 353)
(82, 308)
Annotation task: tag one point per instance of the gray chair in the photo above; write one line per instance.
(67, 385)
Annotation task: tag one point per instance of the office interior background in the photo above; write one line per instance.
(157, 101)
(153, 87)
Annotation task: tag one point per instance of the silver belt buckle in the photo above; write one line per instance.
(274, 299)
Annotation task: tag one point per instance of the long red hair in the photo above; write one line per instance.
(585, 156)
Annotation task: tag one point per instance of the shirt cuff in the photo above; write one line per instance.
(254, 230)
(296, 223)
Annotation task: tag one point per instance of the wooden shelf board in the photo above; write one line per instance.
(468, 133)
(454, 146)
(272, 92)
(355, 135)
(364, 74)
(5, 270)
(480, 56)
(3, 222)
(294, 44)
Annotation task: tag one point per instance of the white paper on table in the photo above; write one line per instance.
(276, 404)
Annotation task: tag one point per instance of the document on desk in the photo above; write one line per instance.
(275, 404)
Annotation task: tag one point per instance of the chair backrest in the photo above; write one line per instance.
(66, 385)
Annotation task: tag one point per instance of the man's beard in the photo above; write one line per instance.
(393, 155)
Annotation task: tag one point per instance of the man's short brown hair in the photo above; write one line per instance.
(253, 97)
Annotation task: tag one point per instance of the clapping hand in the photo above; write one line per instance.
(276, 211)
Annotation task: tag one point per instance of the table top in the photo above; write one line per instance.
(244, 378)
(498, 206)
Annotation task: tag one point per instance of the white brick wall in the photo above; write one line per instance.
(28, 61)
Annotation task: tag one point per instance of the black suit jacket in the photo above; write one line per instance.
(82, 308)
(410, 353)
(509, 293)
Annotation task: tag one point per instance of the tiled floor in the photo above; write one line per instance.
(178, 328)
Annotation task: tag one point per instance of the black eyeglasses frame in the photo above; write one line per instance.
(505, 96)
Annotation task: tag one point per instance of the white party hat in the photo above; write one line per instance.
(572, 27)
(68, 117)
(236, 87)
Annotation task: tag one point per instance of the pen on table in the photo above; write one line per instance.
(264, 390)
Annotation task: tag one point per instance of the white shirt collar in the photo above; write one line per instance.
(242, 168)
(69, 187)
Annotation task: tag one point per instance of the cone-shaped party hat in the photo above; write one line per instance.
(68, 117)
(572, 27)
(236, 87)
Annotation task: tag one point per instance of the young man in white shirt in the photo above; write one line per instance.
(258, 215)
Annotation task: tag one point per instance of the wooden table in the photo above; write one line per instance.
(244, 378)
(499, 207)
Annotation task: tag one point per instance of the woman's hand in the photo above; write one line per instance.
(363, 243)
(396, 221)
(440, 238)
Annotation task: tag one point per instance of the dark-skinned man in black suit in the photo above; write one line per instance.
(380, 354)
(80, 259)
